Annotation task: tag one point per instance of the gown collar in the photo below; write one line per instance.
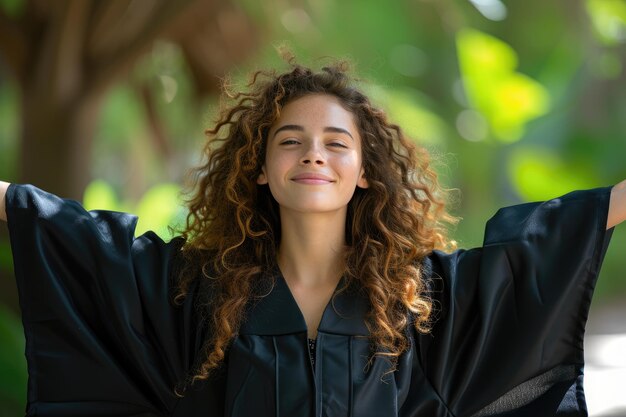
(277, 313)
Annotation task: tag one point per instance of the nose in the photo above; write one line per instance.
(313, 155)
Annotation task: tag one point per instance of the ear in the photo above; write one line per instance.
(362, 182)
(262, 178)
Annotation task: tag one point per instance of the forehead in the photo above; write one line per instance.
(316, 109)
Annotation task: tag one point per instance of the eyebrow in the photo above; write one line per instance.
(299, 128)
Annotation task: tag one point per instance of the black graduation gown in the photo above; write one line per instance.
(104, 339)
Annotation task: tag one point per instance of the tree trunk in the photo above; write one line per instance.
(55, 155)
(56, 143)
(65, 55)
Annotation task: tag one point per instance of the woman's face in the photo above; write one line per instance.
(313, 157)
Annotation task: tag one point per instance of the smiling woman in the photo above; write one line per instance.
(313, 165)
(324, 150)
(313, 277)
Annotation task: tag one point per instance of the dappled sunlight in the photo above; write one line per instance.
(491, 9)
(540, 174)
(157, 209)
(296, 20)
(99, 195)
(506, 98)
(472, 125)
(609, 20)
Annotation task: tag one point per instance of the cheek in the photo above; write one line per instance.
(276, 166)
(350, 165)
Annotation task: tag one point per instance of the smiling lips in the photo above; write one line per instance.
(313, 179)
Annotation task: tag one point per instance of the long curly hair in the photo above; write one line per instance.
(232, 231)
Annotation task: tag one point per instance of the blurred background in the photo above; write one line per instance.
(105, 102)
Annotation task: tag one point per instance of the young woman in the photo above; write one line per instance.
(309, 280)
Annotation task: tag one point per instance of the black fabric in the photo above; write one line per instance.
(104, 339)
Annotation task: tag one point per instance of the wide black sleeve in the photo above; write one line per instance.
(102, 335)
(512, 313)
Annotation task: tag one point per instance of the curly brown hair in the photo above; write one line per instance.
(232, 231)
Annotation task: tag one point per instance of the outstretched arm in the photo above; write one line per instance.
(617, 206)
(3, 191)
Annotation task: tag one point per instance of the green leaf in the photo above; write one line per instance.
(538, 174)
(158, 208)
(609, 20)
(506, 98)
(99, 195)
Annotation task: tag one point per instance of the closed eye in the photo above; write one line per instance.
(289, 142)
(341, 145)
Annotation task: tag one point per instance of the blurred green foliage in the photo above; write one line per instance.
(506, 98)
(12, 363)
(539, 174)
(157, 209)
(609, 20)
(517, 101)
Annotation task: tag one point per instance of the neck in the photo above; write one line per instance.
(312, 247)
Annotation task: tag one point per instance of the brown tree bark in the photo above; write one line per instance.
(56, 143)
(66, 54)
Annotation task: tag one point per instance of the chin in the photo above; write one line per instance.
(315, 208)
